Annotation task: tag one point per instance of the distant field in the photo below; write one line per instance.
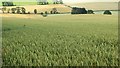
(98, 5)
(25, 3)
(28, 3)
(65, 40)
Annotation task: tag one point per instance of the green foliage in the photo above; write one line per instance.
(60, 41)
(90, 12)
(58, 2)
(13, 10)
(7, 4)
(23, 10)
(41, 13)
(18, 10)
(8, 10)
(54, 11)
(76, 10)
(42, 3)
(107, 12)
(46, 12)
(28, 12)
(3, 9)
(35, 11)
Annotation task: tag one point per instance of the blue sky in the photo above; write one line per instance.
(71, 1)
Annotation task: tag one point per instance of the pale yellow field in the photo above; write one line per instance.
(43, 8)
(98, 5)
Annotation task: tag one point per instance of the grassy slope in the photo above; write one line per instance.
(33, 2)
(60, 40)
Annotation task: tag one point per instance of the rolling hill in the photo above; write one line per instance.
(42, 8)
(98, 5)
(64, 9)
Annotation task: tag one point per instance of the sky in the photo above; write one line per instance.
(72, 1)
(91, 0)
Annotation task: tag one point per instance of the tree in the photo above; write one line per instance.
(35, 11)
(47, 3)
(46, 12)
(42, 2)
(18, 10)
(23, 10)
(76, 10)
(107, 12)
(54, 3)
(3, 9)
(54, 11)
(41, 13)
(83, 11)
(61, 2)
(28, 12)
(51, 12)
(7, 4)
(13, 10)
(8, 10)
(90, 12)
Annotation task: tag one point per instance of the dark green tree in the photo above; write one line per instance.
(3, 9)
(18, 10)
(7, 4)
(107, 12)
(54, 11)
(23, 10)
(46, 12)
(35, 11)
(8, 10)
(76, 10)
(41, 13)
(90, 12)
(13, 10)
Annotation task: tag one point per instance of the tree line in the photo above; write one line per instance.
(44, 2)
(22, 10)
(18, 10)
(7, 4)
(75, 10)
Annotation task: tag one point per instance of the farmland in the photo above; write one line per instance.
(64, 40)
(43, 8)
(97, 5)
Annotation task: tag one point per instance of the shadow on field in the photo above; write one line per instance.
(9, 29)
(6, 29)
